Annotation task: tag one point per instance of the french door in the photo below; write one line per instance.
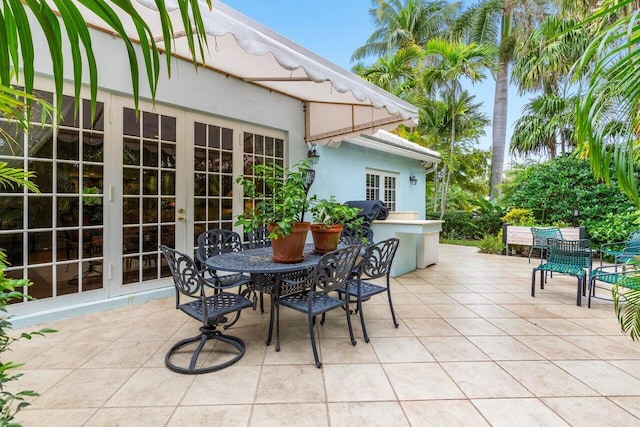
(149, 193)
(115, 187)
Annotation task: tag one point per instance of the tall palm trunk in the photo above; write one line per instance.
(499, 127)
(445, 187)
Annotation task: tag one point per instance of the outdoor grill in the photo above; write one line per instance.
(371, 209)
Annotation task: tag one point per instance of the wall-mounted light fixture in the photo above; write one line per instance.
(313, 155)
(413, 179)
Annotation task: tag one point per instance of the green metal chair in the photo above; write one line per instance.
(624, 275)
(622, 251)
(569, 257)
(540, 237)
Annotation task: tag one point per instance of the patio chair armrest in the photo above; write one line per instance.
(229, 281)
(606, 246)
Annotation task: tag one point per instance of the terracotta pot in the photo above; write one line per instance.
(325, 239)
(289, 249)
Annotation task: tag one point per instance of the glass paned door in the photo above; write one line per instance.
(55, 237)
(149, 212)
(212, 178)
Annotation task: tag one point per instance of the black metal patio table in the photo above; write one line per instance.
(264, 270)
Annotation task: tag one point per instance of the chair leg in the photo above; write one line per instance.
(393, 313)
(353, 339)
(312, 335)
(261, 302)
(533, 283)
(543, 278)
(592, 290)
(271, 318)
(530, 251)
(364, 328)
(277, 324)
(579, 299)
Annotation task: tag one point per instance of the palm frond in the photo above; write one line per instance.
(626, 303)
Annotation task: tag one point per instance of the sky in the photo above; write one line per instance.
(334, 29)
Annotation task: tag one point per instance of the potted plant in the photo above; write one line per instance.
(330, 217)
(278, 198)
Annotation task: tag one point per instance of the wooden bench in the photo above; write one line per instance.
(521, 235)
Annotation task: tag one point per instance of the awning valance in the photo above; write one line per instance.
(337, 101)
(394, 144)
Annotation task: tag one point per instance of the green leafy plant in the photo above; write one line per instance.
(331, 212)
(613, 227)
(457, 225)
(626, 299)
(553, 190)
(518, 216)
(281, 201)
(491, 245)
(11, 403)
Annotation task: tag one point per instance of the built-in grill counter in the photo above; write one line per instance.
(419, 240)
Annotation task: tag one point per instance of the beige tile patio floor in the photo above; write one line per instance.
(473, 348)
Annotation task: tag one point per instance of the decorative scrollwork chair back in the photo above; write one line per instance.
(210, 310)
(258, 238)
(217, 241)
(375, 263)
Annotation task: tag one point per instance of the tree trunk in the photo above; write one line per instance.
(435, 189)
(452, 144)
(499, 127)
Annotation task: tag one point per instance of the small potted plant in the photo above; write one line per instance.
(330, 217)
(278, 200)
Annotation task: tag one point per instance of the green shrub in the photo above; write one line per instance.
(463, 225)
(488, 217)
(518, 216)
(491, 245)
(554, 189)
(613, 227)
(458, 225)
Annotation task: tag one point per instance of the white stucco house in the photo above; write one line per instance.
(113, 189)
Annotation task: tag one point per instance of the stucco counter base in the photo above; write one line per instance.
(419, 241)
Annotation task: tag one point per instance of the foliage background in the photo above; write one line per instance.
(554, 189)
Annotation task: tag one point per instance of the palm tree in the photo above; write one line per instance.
(403, 23)
(17, 50)
(450, 62)
(502, 23)
(546, 120)
(394, 73)
(608, 118)
(545, 59)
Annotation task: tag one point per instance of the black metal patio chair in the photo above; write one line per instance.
(215, 242)
(362, 236)
(259, 238)
(375, 263)
(210, 310)
(569, 257)
(332, 272)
